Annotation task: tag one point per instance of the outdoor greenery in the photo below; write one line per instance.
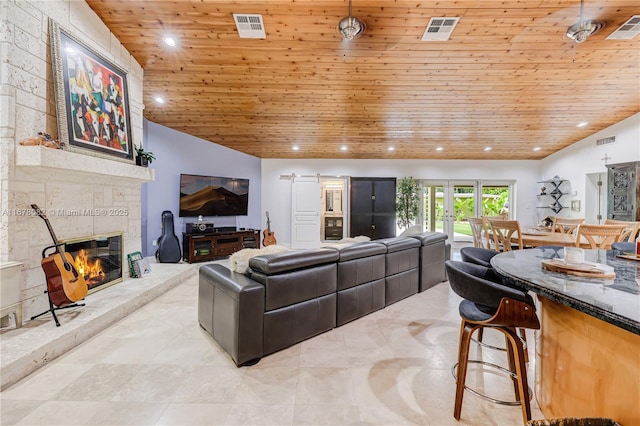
(494, 202)
(407, 201)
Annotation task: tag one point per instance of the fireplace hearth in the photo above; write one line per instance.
(98, 258)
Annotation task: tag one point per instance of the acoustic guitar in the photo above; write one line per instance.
(64, 284)
(269, 237)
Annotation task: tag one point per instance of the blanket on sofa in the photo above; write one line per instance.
(239, 261)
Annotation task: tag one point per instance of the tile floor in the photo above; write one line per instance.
(158, 367)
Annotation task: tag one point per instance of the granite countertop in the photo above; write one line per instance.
(614, 300)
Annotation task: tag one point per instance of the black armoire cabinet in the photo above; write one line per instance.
(373, 207)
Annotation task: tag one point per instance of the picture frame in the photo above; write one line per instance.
(92, 99)
(142, 267)
(133, 258)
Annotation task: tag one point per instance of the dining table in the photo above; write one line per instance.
(540, 236)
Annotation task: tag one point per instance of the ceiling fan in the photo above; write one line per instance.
(350, 26)
(584, 28)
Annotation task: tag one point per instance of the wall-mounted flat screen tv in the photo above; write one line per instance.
(213, 196)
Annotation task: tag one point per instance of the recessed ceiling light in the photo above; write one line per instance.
(439, 148)
(391, 148)
(582, 124)
(159, 99)
(536, 148)
(343, 148)
(295, 147)
(170, 41)
(487, 148)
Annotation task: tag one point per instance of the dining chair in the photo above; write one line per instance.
(630, 232)
(479, 232)
(599, 236)
(565, 225)
(506, 234)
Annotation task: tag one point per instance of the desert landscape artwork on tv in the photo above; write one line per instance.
(213, 196)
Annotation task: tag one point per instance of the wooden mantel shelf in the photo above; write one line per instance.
(67, 165)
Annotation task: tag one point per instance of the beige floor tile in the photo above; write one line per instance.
(209, 384)
(326, 415)
(274, 385)
(385, 397)
(63, 413)
(99, 383)
(12, 411)
(134, 350)
(246, 414)
(127, 413)
(180, 414)
(325, 386)
(50, 380)
(153, 383)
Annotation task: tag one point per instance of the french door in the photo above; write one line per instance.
(446, 204)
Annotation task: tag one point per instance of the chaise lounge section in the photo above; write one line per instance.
(288, 297)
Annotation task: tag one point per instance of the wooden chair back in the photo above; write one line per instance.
(631, 231)
(565, 225)
(506, 234)
(479, 231)
(599, 236)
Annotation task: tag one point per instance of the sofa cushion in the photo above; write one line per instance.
(271, 264)
(430, 237)
(399, 243)
(358, 250)
(297, 286)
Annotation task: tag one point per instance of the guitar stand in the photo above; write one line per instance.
(53, 309)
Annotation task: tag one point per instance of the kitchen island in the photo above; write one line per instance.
(588, 347)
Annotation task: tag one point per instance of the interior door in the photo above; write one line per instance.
(305, 214)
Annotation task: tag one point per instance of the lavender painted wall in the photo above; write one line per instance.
(177, 153)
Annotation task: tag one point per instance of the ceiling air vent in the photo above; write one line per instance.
(249, 26)
(439, 29)
(626, 31)
(605, 141)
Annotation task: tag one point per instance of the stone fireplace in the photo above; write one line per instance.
(92, 203)
(98, 258)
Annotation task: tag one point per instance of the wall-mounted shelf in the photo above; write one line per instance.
(550, 196)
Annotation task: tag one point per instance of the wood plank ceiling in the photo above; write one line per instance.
(508, 78)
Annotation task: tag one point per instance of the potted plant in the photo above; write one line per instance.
(143, 158)
(407, 201)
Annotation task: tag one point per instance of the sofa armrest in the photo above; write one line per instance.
(231, 309)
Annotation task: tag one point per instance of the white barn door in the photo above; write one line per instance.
(305, 212)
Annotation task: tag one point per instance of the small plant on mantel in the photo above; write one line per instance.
(143, 158)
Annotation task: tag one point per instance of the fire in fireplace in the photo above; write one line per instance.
(98, 258)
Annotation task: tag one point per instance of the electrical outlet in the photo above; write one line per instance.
(154, 243)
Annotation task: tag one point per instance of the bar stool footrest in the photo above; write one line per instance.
(482, 395)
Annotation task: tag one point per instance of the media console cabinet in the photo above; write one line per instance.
(203, 247)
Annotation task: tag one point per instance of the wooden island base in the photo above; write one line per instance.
(586, 367)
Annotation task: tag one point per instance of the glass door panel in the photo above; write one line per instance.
(495, 200)
(463, 206)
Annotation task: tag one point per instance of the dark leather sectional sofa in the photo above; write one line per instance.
(288, 297)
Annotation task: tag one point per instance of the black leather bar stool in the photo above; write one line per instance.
(482, 256)
(477, 255)
(491, 304)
